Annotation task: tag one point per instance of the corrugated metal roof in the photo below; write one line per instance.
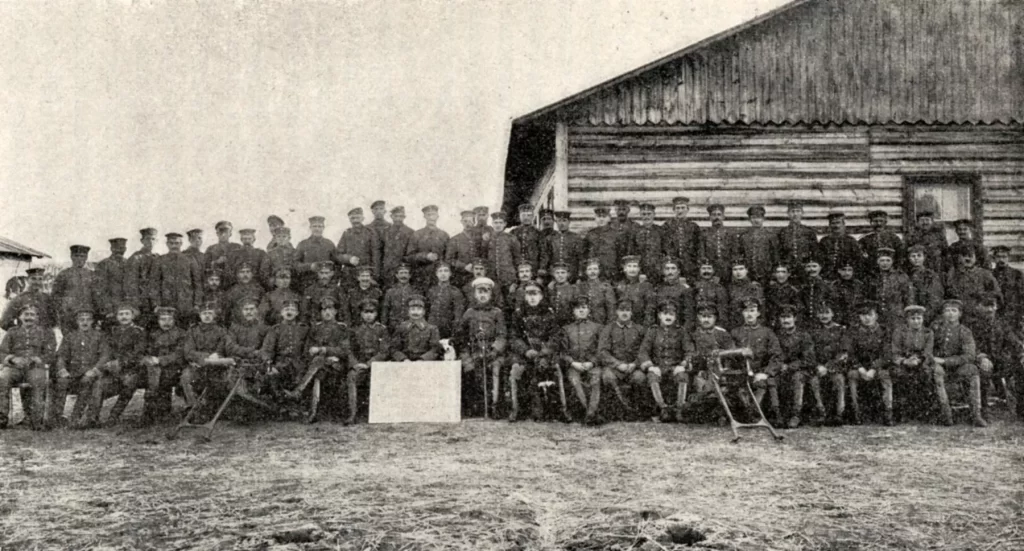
(13, 247)
(828, 61)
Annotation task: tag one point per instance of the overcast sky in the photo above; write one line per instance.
(115, 116)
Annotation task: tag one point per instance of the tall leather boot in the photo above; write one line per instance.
(854, 402)
(979, 421)
(887, 402)
(939, 379)
(798, 402)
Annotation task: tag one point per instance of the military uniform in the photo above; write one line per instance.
(934, 242)
(445, 306)
(24, 343)
(893, 292)
(217, 258)
(562, 247)
(257, 259)
(460, 253)
(139, 280)
(271, 304)
(828, 351)
(380, 228)
(777, 295)
(875, 241)
(127, 347)
(928, 291)
(797, 244)
(561, 297)
(758, 248)
(395, 310)
(333, 341)
(579, 344)
(600, 296)
(245, 339)
(999, 343)
(740, 291)
(969, 285)
(618, 345)
(111, 273)
(661, 356)
(954, 343)
(816, 291)
(908, 343)
(234, 298)
(641, 295)
(766, 358)
(82, 354)
(711, 292)
(282, 255)
(202, 340)
(168, 347)
(308, 253)
(316, 292)
(621, 229)
(702, 359)
(285, 348)
(425, 241)
(648, 244)
(681, 295)
(357, 295)
(42, 302)
(721, 245)
(533, 329)
(868, 348)
(599, 243)
(369, 343)
(529, 243)
(177, 282)
(415, 340)
(799, 365)
(359, 242)
(838, 250)
(395, 242)
(503, 258)
(482, 326)
(682, 241)
(1011, 284)
(193, 251)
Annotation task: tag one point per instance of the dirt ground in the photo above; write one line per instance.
(491, 485)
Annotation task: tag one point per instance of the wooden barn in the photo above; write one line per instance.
(847, 105)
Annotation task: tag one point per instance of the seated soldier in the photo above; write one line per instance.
(25, 351)
(617, 348)
(445, 303)
(482, 338)
(762, 350)
(364, 289)
(674, 288)
(124, 370)
(828, 336)
(599, 293)
(205, 344)
(272, 303)
(638, 291)
(999, 350)
(79, 359)
(797, 365)
(534, 335)
(328, 349)
(708, 340)
(956, 357)
(325, 286)
(244, 341)
(369, 343)
(912, 350)
(579, 356)
(284, 348)
(664, 349)
(868, 347)
(415, 339)
(164, 361)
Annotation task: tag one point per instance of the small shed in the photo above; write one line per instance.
(15, 258)
(845, 105)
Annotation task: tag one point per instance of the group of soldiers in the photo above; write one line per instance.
(643, 310)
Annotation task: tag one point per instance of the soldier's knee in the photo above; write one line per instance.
(653, 377)
(516, 372)
(967, 371)
(608, 376)
(798, 378)
(62, 384)
(637, 378)
(853, 375)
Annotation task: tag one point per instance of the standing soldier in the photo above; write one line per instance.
(967, 281)
(932, 238)
(313, 249)
(797, 242)
(1011, 284)
(426, 247)
(881, 237)
(928, 289)
(999, 349)
(396, 242)
(380, 228)
(599, 292)
(758, 247)
(622, 229)
(257, 258)
(481, 233)
(838, 248)
(816, 290)
(273, 223)
(282, 254)
(45, 314)
(966, 238)
(709, 291)
(138, 279)
(111, 271)
(75, 288)
(647, 243)
(956, 358)
(720, 243)
(673, 288)
(195, 247)
(563, 246)
(460, 251)
(325, 287)
(682, 238)
(891, 288)
(445, 302)
(217, 254)
(178, 281)
(528, 235)
(503, 254)
(547, 225)
(358, 246)
(599, 244)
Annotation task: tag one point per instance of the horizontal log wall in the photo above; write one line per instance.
(846, 168)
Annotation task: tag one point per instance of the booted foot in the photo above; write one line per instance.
(777, 421)
(794, 422)
(679, 414)
(888, 418)
(350, 420)
(979, 422)
(514, 416)
(664, 416)
(856, 418)
(820, 418)
(565, 417)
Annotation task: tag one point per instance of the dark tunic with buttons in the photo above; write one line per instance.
(739, 292)
(423, 242)
(529, 243)
(534, 328)
(837, 250)
(74, 288)
(682, 241)
(600, 244)
(178, 282)
(503, 256)
(285, 348)
(309, 251)
(601, 297)
(561, 297)
(665, 346)
(138, 279)
(580, 341)
(445, 306)
(357, 295)
(395, 308)
(370, 343)
(415, 340)
(111, 272)
(648, 244)
(721, 246)
(332, 335)
(359, 242)
(765, 345)
(711, 292)
(868, 347)
(706, 341)
(817, 291)
(25, 342)
(619, 343)
(955, 344)
(641, 295)
(127, 345)
(168, 346)
(245, 339)
(217, 258)
(680, 295)
(81, 351)
(563, 247)
(47, 312)
(797, 349)
(828, 343)
(316, 292)
(396, 241)
(483, 322)
(205, 339)
(759, 249)
(928, 291)
(797, 244)
(272, 303)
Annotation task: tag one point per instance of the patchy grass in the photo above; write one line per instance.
(491, 485)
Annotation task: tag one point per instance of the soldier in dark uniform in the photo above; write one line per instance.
(195, 247)
(358, 246)
(547, 225)
(25, 351)
(325, 286)
(797, 242)
(708, 339)
(639, 293)
(396, 243)
(365, 289)
(600, 244)
(622, 229)
(966, 239)
(561, 293)
(245, 288)
(662, 358)
(460, 251)
(481, 232)
(838, 248)
(968, 282)
(868, 346)
(682, 238)
(138, 277)
(763, 351)
(927, 283)
(497, 293)
(741, 289)
(272, 303)
(284, 349)
(932, 238)
(828, 337)
(178, 280)
(618, 347)
(328, 350)
(217, 254)
(534, 351)
(881, 237)
(503, 254)
(1011, 284)
(648, 244)
(370, 343)
(999, 348)
(780, 292)
(708, 290)
(75, 287)
(163, 360)
(720, 244)
(395, 308)
(111, 272)
(205, 340)
(482, 337)
(380, 227)
(758, 247)
(282, 254)
(445, 302)
(528, 235)
(256, 258)
(274, 222)
(890, 288)
(415, 339)
(797, 364)
(426, 247)
(846, 293)
(313, 249)
(563, 246)
(674, 288)
(912, 351)
(81, 355)
(598, 291)
(124, 371)
(245, 337)
(579, 350)
(956, 357)
(214, 294)
(815, 289)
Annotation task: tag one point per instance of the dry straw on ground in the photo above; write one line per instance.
(491, 485)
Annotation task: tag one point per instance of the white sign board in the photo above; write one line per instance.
(415, 392)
